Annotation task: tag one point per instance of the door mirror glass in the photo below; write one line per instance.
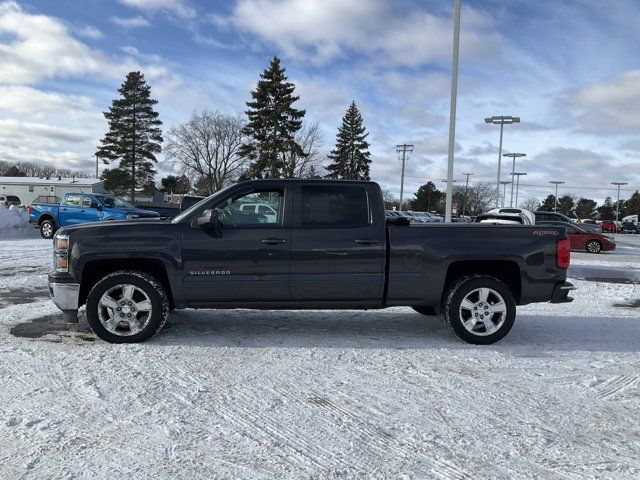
(210, 220)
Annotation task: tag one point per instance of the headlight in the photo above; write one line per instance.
(61, 242)
(61, 253)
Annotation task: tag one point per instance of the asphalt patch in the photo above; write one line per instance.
(631, 304)
(22, 296)
(55, 326)
(626, 281)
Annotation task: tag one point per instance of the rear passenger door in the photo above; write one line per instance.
(337, 253)
(89, 211)
(70, 211)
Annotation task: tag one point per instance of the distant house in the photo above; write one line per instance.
(30, 188)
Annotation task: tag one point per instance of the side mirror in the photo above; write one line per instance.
(210, 220)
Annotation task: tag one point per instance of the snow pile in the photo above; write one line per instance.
(15, 221)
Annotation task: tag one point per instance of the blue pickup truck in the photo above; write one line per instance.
(77, 208)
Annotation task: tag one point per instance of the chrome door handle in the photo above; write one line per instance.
(273, 241)
(366, 241)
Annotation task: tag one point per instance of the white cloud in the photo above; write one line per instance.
(328, 29)
(177, 7)
(610, 106)
(33, 47)
(131, 22)
(14, 132)
(89, 32)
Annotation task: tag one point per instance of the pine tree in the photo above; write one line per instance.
(548, 204)
(134, 137)
(633, 204)
(427, 198)
(273, 123)
(351, 155)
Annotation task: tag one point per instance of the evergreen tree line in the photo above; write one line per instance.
(212, 149)
(584, 208)
(480, 197)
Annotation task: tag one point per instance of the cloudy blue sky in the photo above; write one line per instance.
(569, 69)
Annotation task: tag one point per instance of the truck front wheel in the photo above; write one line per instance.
(47, 229)
(479, 309)
(127, 307)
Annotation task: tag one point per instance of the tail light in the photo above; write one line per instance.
(564, 253)
(29, 209)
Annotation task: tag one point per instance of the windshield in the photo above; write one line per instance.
(182, 215)
(114, 202)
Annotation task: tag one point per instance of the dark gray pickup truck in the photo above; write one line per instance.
(304, 244)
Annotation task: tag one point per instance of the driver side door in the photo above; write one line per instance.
(250, 261)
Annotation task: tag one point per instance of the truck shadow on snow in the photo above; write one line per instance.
(532, 335)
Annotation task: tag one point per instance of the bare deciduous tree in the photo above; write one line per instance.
(531, 204)
(205, 148)
(310, 138)
(480, 197)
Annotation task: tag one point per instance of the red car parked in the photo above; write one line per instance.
(590, 242)
(608, 226)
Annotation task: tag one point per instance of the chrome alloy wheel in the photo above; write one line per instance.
(124, 310)
(47, 230)
(483, 311)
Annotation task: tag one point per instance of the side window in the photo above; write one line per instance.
(334, 206)
(73, 200)
(86, 202)
(239, 211)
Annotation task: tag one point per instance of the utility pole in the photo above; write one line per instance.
(96, 166)
(466, 192)
(555, 203)
(501, 120)
(504, 191)
(618, 184)
(513, 170)
(517, 175)
(404, 148)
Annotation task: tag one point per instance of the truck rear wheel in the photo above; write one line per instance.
(127, 307)
(47, 229)
(479, 309)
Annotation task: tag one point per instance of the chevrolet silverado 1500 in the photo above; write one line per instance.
(323, 245)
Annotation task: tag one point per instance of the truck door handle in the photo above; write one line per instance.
(366, 241)
(273, 241)
(64, 209)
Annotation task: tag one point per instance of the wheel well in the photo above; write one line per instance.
(505, 271)
(96, 270)
(44, 217)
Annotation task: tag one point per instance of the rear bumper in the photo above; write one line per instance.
(561, 293)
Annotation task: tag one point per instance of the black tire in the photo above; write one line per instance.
(425, 310)
(48, 229)
(453, 316)
(149, 285)
(593, 246)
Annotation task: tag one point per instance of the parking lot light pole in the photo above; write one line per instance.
(466, 192)
(555, 203)
(618, 184)
(504, 191)
(517, 175)
(501, 120)
(452, 110)
(513, 171)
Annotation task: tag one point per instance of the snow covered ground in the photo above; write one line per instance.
(379, 394)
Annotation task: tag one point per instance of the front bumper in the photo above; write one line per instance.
(65, 295)
(561, 293)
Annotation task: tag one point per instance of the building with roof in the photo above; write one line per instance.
(30, 188)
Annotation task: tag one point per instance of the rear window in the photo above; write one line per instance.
(334, 206)
(73, 200)
(12, 198)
